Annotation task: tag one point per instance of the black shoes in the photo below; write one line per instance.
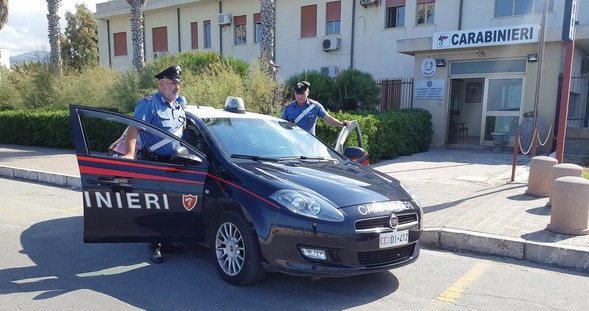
(155, 254)
(156, 250)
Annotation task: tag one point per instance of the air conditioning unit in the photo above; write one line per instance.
(331, 43)
(224, 19)
(331, 71)
(367, 3)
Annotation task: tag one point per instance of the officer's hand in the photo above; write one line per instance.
(345, 123)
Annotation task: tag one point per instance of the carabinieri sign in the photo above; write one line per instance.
(486, 37)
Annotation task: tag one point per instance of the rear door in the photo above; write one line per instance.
(128, 200)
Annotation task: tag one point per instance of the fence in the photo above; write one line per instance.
(578, 113)
(396, 93)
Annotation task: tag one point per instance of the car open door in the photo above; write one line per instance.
(355, 152)
(127, 200)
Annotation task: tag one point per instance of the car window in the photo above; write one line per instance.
(103, 129)
(265, 138)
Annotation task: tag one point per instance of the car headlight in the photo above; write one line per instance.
(411, 193)
(307, 204)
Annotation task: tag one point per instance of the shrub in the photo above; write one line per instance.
(355, 90)
(321, 87)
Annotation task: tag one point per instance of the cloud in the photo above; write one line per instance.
(26, 29)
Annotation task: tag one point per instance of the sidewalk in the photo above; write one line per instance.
(469, 201)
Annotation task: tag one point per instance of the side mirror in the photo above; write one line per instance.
(181, 155)
(357, 154)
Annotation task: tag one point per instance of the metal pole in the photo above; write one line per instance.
(564, 103)
(540, 62)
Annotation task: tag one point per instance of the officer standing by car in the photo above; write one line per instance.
(304, 111)
(161, 109)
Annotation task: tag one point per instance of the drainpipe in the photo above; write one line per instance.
(460, 15)
(108, 43)
(353, 34)
(221, 30)
(178, 18)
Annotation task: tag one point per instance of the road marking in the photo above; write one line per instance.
(113, 271)
(454, 292)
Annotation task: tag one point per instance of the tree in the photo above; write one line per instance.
(79, 46)
(54, 33)
(268, 17)
(3, 12)
(137, 30)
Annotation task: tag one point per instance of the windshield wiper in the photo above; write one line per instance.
(253, 157)
(304, 158)
(299, 158)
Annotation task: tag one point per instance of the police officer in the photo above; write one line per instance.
(163, 110)
(304, 111)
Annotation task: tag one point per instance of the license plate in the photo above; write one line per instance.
(391, 239)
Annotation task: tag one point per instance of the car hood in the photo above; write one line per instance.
(345, 184)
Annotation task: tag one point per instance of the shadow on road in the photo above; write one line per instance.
(63, 264)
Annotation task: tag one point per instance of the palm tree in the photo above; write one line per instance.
(54, 33)
(3, 12)
(268, 16)
(137, 32)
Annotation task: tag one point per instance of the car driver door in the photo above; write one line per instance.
(128, 200)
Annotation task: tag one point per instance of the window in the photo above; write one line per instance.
(395, 10)
(194, 35)
(309, 21)
(257, 28)
(160, 39)
(240, 33)
(520, 7)
(333, 17)
(425, 11)
(207, 34)
(120, 42)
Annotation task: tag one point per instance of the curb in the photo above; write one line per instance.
(48, 178)
(562, 256)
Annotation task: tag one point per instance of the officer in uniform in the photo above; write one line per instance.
(163, 110)
(304, 111)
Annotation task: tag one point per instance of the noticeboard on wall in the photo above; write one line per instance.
(474, 91)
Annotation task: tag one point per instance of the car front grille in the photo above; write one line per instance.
(385, 256)
(380, 223)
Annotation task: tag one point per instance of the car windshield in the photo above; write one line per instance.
(261, 139)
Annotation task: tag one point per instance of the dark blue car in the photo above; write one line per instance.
(261, 193)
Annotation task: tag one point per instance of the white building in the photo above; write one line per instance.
(4, 58)
(475, 63)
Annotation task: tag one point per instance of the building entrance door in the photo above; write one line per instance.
(466, 110)
(502, 108)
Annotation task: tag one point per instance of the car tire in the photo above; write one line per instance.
(235, 250)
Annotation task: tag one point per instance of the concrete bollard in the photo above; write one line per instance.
(562, 170)
(570, 206)
(540, 174)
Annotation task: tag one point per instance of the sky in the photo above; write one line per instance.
(26, 30)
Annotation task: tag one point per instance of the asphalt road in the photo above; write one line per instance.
(46, 266)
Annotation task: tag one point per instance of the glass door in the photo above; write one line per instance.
(503, 103)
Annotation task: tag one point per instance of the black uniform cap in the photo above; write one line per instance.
(301, 86)
(173, 72)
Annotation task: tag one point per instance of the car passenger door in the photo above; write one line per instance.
(128, 200)
(353, 152)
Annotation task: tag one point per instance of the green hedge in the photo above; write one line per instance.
(386, 135)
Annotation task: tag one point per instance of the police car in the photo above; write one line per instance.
(263, 194)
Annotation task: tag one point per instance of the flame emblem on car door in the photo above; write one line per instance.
(189, 201)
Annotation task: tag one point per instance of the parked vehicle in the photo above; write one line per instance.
(261, 193)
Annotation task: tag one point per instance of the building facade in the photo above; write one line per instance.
(478, 66)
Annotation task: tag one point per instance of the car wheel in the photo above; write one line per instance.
(235, 250)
